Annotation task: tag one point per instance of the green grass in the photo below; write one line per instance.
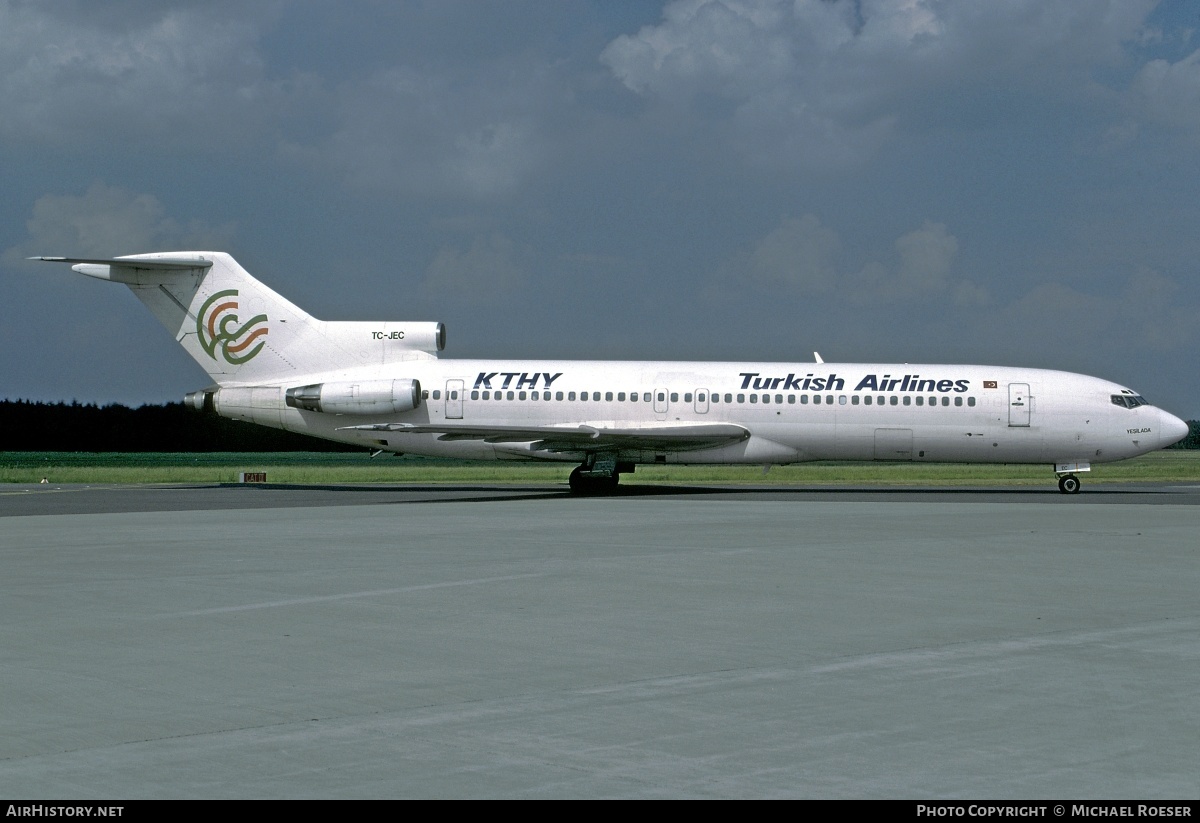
(315, 468)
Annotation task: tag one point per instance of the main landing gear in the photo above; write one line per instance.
(599, 474)
(1068, 484)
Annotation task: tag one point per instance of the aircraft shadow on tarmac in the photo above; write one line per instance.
(481, 493)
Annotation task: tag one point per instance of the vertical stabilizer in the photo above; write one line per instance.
(236, 328)
(240, 331)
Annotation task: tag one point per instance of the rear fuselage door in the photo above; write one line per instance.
(1018, 404)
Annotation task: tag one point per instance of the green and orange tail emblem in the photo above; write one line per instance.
(222, 335)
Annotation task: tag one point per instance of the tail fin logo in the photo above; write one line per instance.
(219, 332)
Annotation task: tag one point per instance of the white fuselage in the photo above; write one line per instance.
(383, 386)
(794, 412)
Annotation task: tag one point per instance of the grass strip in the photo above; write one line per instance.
(307, 468)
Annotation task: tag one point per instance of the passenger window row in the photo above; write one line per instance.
(731, 399)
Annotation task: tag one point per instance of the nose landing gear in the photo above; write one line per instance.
(1068, 484)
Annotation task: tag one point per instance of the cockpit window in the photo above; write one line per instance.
(1129, 401)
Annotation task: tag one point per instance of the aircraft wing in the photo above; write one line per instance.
(651, 437)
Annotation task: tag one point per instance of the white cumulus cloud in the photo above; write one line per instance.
(106, 221)
(814, 82)
(135, 70)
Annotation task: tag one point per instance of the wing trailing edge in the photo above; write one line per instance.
(584, 437)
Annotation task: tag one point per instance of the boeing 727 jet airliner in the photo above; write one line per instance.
(384, 387)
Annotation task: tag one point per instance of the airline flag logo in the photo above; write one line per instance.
(990, 384)
(222, 335)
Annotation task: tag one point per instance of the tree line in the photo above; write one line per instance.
(173, 427)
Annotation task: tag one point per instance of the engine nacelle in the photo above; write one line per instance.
(357, 397)
(201, 400)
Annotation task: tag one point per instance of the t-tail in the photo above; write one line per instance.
(243, 333)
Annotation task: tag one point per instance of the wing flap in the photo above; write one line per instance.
(651, 437)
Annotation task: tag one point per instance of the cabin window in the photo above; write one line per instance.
(817, 399)
(841, 399)
(729, 398)
(700, 397)
(510, 395)
(687, 397)
(933, 401)
(907, 400)
(674, 397)
(741, 398)
(620, 397)
(791, 399)
(487, 395)
(867, 399)
(437, 394)
(596, 396)
(895, 401)
(583, 396)
(608, 396)
(521, 396)
(571, 396)
(920, 401)
(474, 395)
(754, 398)
(854, 400)
(804, 400)
(633, 397)
(958, 401)
(970, 401)
(646, 397)
(945, 401)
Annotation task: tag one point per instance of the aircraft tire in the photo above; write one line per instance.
(591, 485)
(1068, 484)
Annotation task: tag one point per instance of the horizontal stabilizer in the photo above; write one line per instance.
(159, 263)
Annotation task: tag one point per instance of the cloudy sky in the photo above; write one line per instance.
(1010, 182)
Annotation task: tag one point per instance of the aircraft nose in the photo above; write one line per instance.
(1173, 429)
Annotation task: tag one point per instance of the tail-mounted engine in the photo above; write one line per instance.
(356, 397)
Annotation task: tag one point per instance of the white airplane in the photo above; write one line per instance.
(383, 386)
